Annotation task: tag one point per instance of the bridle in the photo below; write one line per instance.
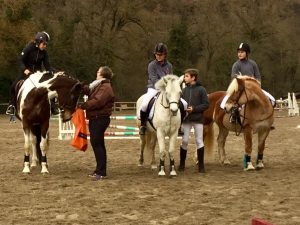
(68, 106)
(237, 106)
(168, 103)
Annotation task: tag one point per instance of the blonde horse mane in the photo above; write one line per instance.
(233, 87)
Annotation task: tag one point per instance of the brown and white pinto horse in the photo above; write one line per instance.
(33, 109)
(256, 116)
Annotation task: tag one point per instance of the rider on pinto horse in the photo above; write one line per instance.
(34, 57)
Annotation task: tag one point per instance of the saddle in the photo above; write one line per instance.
(150, 105)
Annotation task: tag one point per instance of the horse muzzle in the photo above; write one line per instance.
(174, 113)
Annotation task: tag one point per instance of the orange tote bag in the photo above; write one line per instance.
(80, 137)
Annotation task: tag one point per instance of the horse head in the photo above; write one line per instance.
(241, 90)
(169, 86)
(67, 90)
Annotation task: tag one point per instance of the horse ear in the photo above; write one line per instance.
(181, 79)
(161, 84)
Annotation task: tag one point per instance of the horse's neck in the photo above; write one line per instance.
(260, 104)
(162, 100)
(161, 109)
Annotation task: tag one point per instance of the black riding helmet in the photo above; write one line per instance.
(161, 48)
(244, 47)
(42, 37)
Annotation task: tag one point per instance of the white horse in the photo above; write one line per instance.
(165, 122)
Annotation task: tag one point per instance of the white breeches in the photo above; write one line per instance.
(151, 92)
(198, 127)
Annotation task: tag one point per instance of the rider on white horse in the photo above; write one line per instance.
(157, 68)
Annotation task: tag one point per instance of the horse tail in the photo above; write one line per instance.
(208, 136)
(36, 130)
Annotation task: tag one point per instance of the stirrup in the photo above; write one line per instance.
(10, 110)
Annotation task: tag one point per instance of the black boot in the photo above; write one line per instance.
(11, 110)
(182, 159)
(182, 115)
(144, 118)
(200, 154)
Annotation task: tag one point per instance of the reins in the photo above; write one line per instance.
(237, 133)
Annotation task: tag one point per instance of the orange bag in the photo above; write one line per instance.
(80, 137)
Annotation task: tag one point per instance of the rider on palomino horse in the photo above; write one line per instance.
(245, 66)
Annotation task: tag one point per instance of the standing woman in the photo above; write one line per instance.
(98, 110)
(34, 57)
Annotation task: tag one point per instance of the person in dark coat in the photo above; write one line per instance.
(98, 108)
(195, 95)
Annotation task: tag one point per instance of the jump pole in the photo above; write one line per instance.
(256, 221)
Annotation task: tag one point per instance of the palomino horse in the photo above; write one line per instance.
(165, 122)
(255, 116)
(33, 109)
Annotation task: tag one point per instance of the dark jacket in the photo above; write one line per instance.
(100, 101)
(34, 59)
(196, 96)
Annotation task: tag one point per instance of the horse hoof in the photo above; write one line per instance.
(226, 162)
(249, 167)
(26, 168)
(173, 173)
(161, 173)
(259, 165)
(25, 171)
(153, 167)
(140, 165)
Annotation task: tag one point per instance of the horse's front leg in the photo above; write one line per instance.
(142, 149)
(172, 145)
(44, 148)
(223, 133)
(152, 144)
(162, 153)
(248, 148)
(262, 136)
(26, 168)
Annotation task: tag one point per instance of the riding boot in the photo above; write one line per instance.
(182, 115)
(182, 159)
(234, 115)
(200, 154)
(144, 118)
(54, 109)
(11, 109)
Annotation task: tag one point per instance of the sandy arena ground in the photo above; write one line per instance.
(136, 195)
